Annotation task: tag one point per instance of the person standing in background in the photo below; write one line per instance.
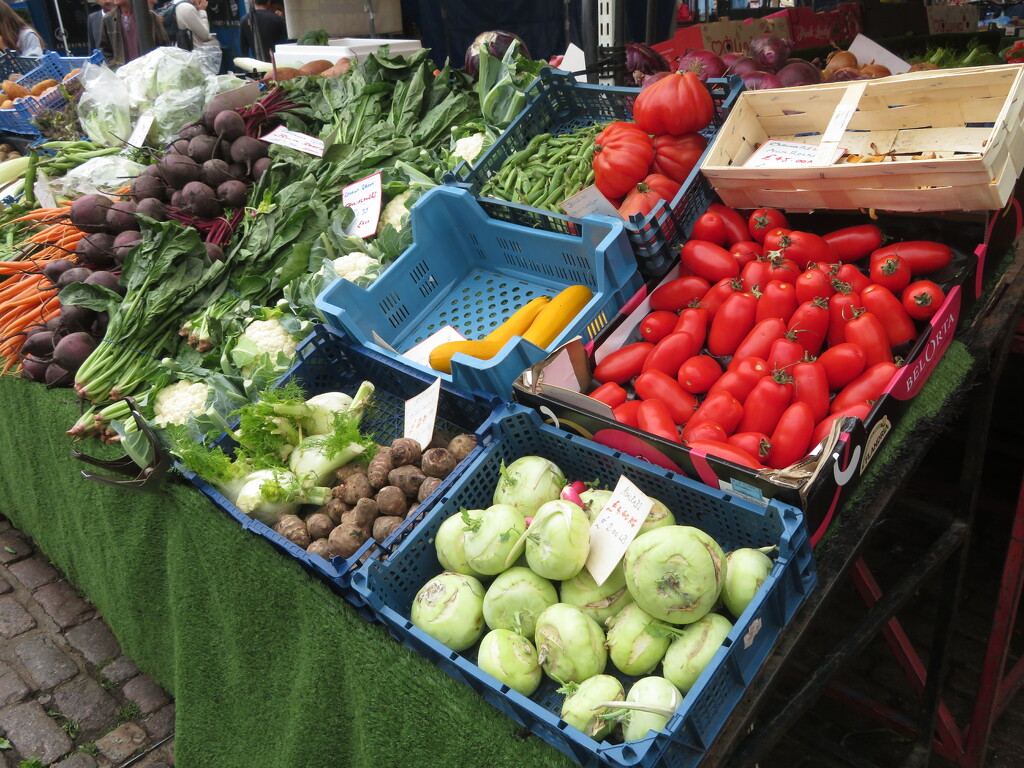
(95, 23)
(271, 28)
(119, 37)
(193, 24)
(18, 36)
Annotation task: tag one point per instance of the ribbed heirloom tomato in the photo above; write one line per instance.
(677, 104)
(622, 157)
(677, 156)
(643, 198)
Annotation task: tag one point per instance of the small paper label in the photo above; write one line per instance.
(750, 491)
(44, 195)
(295, 140)
(378, 340)
(574, 60)
(784, 154)
(420, 353)
(588, 200)
(751, 633)
(363, 198)
(141, 131)
(421, 413)
(840, 119)
(615, 528)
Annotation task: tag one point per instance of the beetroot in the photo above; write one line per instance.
(214, 108)
(76, 318)
(58, 376)
(215, 252)
(237, 171)
(123, 243)
(89, 212)
(34, 369)
(215, 172)
(40, 344)
(201, 148)
(73, 349)
(107, 280)
(153, 208)
(229, 125)
(95, 250)
(201, 200)
(232, 194)
(121, 217)
(260, 167)
(178, 147)
(190, 130)
(148, 186)
(247, 151)
(54, 269)
(99, 328)
(178, 170)
(76, 275)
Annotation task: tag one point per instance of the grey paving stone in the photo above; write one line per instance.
(5, 586)
(34, 572)
(78, 760)
(48, 665)
(34, 734)
(161, 757)
(94, 641)
(160, 723)
(13, 547)
(12, 688)
(122, 742)
(62, 604)
(85, 702)
(146, 693)
(13, 618)
(119, 670)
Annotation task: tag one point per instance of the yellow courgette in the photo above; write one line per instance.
(558, 314)
(486, 348)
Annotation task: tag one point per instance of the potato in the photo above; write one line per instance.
(391, 501)
(315, 67)
(319, 525)
(461, 446)
(380, 465)
(427, 487)
(405, 451)
(340, 67)
(408, 478)
(334, 509)
(413, 509)
(7, 104)
(438, 462)
(42, 86)
(348, 537)
(293, 529)
(13, 90)
(283, 73)
(363, 513)
(356, 487)
(385, 525)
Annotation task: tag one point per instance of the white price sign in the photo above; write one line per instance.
(295, 140)
(420, 353)
(421, 413)
(615, 527)
(363, 197)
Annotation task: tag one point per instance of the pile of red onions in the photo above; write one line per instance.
(643, 60)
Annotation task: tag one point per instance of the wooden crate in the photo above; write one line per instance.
(969, 118)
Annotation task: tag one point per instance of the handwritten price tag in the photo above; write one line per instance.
(363, 198)
(295, 140)
(616, 527)
(420, 353)
(784, 154)
(421, 413)
(588, 200)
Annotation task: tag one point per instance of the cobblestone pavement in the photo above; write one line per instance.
(68, 695)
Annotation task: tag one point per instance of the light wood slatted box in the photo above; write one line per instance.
(970, 118)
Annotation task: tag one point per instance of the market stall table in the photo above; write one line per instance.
(269, 667)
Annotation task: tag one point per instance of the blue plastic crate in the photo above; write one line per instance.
(471, 272)
(559, 105)
(10, 64)
(328, 361)
(390, 580)
(50, 66)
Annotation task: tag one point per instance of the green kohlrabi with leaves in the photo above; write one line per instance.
(449, 608)
(516, 598)
(510, 658)
(529, 482)
(491, 536)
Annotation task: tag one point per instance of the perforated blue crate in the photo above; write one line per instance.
(10, 64)
(560, 105)
(328, 361)
(471, 272)
(389, 581)
(50, 66)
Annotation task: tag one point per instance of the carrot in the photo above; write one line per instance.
(42, 214)
(14, 267)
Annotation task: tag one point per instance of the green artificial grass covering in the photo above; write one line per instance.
(267, 666)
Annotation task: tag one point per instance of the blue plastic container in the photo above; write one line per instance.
(10, 64)
(389, 582)
(328, 361)
(471, 272)
(50, 66)
(559, 105)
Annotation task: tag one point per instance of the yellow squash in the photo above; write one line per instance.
(487, 347)
(557, 315)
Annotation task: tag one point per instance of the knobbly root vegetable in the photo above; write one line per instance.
(334, 509)
(293, 529)
(319, 525)
(461, 446)
(427, 487)
(412, 510)
(325, 548)
(438, 462)
(391, 501)
(379, 467)
(363, 513)
(356, 487)
(346, 471)
(348, 537)
(385, 525)
(408, 478)
(405, 451)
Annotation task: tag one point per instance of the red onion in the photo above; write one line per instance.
(644, 59)
(769, 51)
(760, 81)
(798, 72)
(742, 66)
(730, 58)
(495, 42)
(646, 80)
(703, 64)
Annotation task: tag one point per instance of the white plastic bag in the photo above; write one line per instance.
(103, 110)
(105, 175)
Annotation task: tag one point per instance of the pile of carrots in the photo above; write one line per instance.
(27, 297)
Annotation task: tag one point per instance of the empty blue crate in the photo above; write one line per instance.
(389, 581)
(470, 272)
(329, 362)
(558, 105)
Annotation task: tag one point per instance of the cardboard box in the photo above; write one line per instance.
(808, 29)
(722, 36)
(819, 483)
